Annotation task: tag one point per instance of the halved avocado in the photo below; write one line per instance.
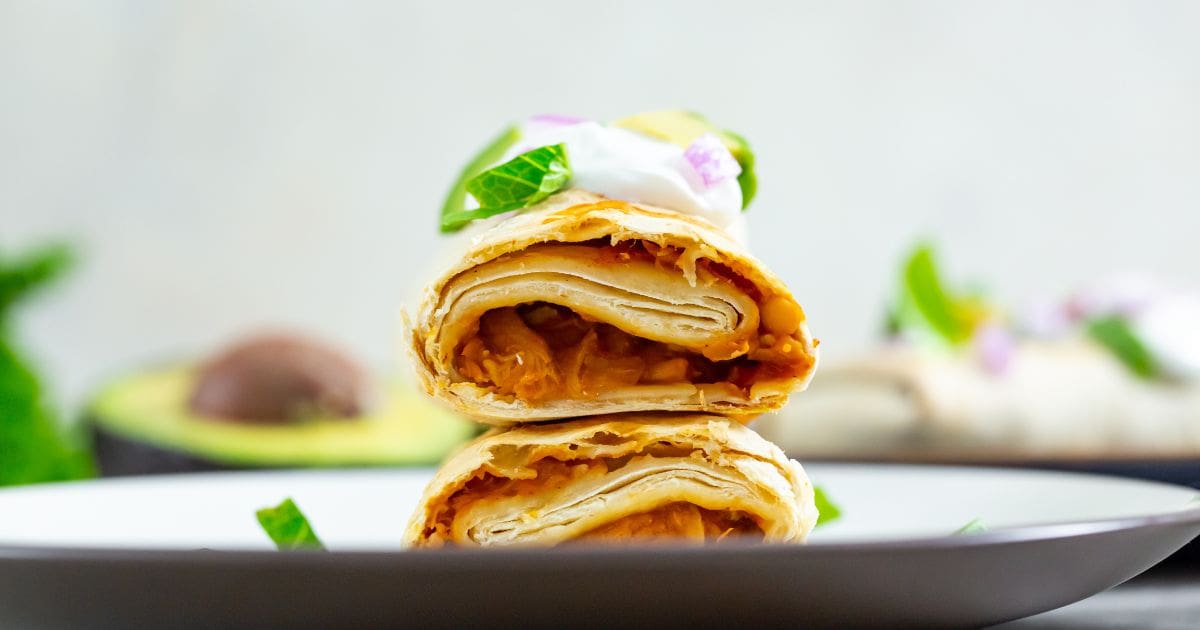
(145, 424)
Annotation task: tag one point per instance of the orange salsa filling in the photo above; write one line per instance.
(676, 521)
(541, 351)
(673, 521)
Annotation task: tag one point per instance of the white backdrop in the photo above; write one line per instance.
(226, 165)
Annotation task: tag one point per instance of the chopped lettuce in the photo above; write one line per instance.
(456, 199)
(518, 183)
(974, 526)
(34, 445)
(1113, 332)
(828, 510)
(288, 527)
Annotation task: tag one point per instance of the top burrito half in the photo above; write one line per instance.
(584, 305)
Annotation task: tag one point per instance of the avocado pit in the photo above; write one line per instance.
(278, 379)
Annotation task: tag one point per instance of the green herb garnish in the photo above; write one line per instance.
(288, 527)
(975, 526)
(927, 305)
(1113, 332)
(22, 276)
(34, 446)
(518, 183)
(456, 200)
(828, 510)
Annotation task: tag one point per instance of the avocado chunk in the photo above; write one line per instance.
(144, 424)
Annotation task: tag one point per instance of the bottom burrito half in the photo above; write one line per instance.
(694, 477)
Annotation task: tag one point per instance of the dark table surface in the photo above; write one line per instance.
(1167, 596)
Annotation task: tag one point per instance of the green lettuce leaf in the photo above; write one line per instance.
(288, 527)
(828, 509)
(456, 199)
(518, 183)
(1114, 333)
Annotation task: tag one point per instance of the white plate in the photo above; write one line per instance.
(367, 509)
(892, 558)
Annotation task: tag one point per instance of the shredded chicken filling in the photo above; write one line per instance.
(673, 521)
(541, 351)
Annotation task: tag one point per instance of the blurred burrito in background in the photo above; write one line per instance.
(1113, 372)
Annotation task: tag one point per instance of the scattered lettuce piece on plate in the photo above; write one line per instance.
(456, 199)
(288, 527)
(518, 183)
(1114, 333)
(829, 510)
(975, 526)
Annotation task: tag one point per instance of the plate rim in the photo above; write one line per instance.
(1186, 515)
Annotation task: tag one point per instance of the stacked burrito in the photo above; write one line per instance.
(617, 337)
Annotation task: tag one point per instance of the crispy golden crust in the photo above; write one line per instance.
(652, 461)
(690, 304)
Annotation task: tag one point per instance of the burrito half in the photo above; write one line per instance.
(585, 305)
(633, 477)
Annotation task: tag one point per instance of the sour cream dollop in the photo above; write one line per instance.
(627, 165)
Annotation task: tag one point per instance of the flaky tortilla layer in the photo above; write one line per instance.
(643, 463)
(549, 254)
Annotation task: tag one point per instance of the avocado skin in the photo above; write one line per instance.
(117, 456)
(120, 457)
(141, 424)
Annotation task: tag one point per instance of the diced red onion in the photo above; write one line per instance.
(556, 119)
(1120, 294)
(1045, 319)
(711, 160)
(995, 346)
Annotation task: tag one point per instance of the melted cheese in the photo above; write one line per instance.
(676, 521)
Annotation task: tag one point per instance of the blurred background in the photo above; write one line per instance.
(227, 165)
